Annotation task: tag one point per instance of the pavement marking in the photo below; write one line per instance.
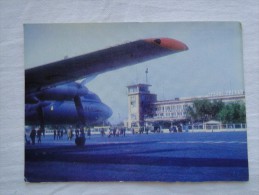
(109, 143)
(203, 142)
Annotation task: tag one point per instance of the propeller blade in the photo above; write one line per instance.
(41, 117)
(88, 79)
(79, 109)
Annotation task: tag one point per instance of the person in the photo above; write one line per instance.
(124, 131)
(121, 131)
(170, 129)
(80, 139)
(117, 132)
(114, 131)
(58, 137)
(69, 134)
(32, 136)
(43, 131)
(61, 133)
(180, 127)
(110, 132)
(147, 130)
(89, 133)
(176, 128)
(39, 135)
(27, 142)
(133, 130)
(77, 133)
(55, 134)
(141, 129)
(72, 133)
(102, 132)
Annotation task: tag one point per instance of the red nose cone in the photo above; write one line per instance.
(168, 43)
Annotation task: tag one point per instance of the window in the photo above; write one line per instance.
(132, 89)
(133, 101)
(133, 116)
(132, 97)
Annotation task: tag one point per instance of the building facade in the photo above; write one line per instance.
(139, 104)
(144, 107)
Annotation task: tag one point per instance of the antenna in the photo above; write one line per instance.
(146, 74)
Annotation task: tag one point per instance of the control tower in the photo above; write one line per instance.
(139, 104)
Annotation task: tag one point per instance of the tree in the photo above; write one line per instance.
(233, 113)
(242, 113)
(216, 107)
(191, 114)
(204, 110)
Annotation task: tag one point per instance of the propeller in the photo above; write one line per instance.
(87, 80)
(79, 109)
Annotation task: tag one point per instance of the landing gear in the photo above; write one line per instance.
(41, 117)
(80, 141)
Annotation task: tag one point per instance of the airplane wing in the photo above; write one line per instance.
(97, 62)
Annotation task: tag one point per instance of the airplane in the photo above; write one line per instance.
(53, 97)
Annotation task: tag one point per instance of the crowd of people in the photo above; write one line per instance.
(176, 128)
(116, 131)
(58, 134)
(85, 132)
(33, 135)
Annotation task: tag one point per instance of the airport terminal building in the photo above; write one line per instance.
(143, 106)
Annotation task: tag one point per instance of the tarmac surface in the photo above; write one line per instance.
(220, 156)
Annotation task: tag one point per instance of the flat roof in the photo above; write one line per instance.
(138, 85)
(191, 99)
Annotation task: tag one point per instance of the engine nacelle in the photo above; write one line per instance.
(63, 92)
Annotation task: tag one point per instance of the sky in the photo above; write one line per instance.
(213, 62)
